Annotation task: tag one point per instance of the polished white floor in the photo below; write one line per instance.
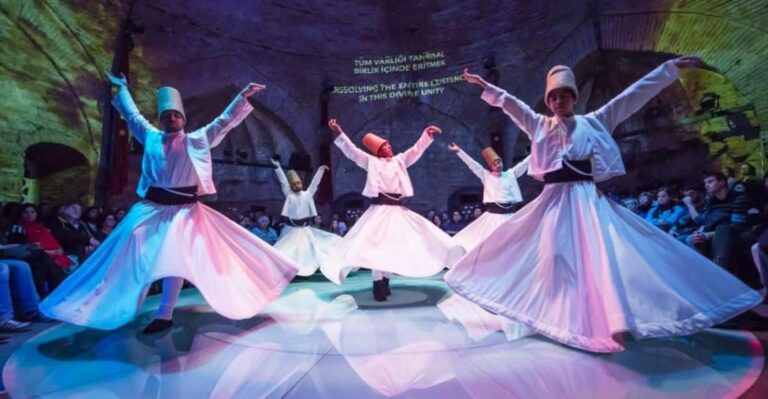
(319, 340)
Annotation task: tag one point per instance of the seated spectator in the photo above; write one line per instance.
(120, 214)
(15, 245)
(438, 221)
(108, 222)
(338, 228)
(644, 204)
(455, 224)
(91, 219)
(445, 218)
(246, 222)
(18, 297)
(477, 212)
(693, 200)
(71, 232)
(430, 214)
(723, 224)
(36, 233)
(665, 213)
(632, 204)
(730, 176)
(754, 185)
(263, 231)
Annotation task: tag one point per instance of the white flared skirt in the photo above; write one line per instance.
(307, 246)
(479, 230)
(579, 268)
(392, 239)
(236, 272)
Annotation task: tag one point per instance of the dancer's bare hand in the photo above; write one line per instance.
(431, 130)
(275, 162)
(689, 62)
(453, 147)
(325, 168)
(118, 81)
(474, 79)
(334, 125)
(252, 89)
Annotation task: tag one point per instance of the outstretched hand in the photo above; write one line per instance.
(431, 130)
(275, 162)
(252, 89)
(453, 147)
(474, 78)
(117, 81)
(689, 62)
(334, 125)
(325, 168)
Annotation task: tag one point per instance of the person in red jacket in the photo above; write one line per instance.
(36, 232)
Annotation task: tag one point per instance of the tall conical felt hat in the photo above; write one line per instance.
(373, 142)
(490, 156)
(169, 98)
(560, 76)
(292, 177)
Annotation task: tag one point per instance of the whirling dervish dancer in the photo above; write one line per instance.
(575, 266)
(306, 245)
(389, 238)
(500, 194)
(169, 234)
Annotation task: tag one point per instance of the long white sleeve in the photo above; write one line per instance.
(473, 165)
(315, 183)
(350, 150)
(284, 185)
(520, 113)
(413, 154)
(235, 112)
(137, 124)
(636, 96)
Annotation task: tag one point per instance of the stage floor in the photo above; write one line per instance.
(319, 340)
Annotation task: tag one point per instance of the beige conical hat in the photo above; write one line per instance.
(560, 76)
(373, 142)
(292, 177)
(490, 156)
(169, 98)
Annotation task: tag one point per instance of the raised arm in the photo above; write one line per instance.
(520, 113)
(285, 187)
(413, 154)
(347, 147)
(639, 93)
(522, 167)
(473, 165)
(235, 112)
(126, 107)
(315, 183)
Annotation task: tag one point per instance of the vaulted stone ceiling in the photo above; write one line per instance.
(54, 53)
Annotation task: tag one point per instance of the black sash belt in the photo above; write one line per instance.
(172, 195)
(298, 222)
(386, 199)
(502, 208)
(566, 174)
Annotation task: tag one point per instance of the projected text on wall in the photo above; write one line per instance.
(392, 89)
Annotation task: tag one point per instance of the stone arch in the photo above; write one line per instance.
(465, 196)
(47, 178)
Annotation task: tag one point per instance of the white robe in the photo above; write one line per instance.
(387, 238)
(234, 270)
(499, 188)
(578, 267)
(306, 245)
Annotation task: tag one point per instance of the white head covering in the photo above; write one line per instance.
(560, 76)
(169, 98)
